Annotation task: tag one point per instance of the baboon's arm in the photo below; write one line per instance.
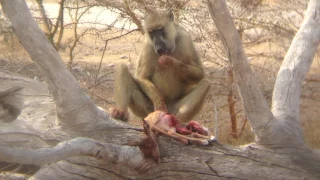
(186, 71)
(144, 71)
(152, 92)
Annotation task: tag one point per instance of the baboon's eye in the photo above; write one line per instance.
(152, 33)
(156, 33)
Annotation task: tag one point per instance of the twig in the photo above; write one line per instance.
(103, 52)
(232, 103)
(243, 126)
(216, 123)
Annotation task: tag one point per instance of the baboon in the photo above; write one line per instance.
(169, 74)
(11, 104)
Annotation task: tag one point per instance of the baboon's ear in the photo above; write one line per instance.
(170, 15)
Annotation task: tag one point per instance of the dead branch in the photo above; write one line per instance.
(60, 21)
(79, 146)
(133, 16)
(96, 83)
(231, 103)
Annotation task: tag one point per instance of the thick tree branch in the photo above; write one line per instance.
(75, 108)
(296, 64)
(256, 107)
(128, 155)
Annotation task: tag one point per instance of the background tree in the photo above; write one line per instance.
(51, 29)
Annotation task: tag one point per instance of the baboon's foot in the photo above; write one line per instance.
(120, 114)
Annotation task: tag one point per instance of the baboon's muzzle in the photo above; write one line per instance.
(159, 43)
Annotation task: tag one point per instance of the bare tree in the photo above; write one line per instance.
(108, 148)
(51, 29)
(76, 11)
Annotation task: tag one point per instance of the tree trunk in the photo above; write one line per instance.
(109, 151)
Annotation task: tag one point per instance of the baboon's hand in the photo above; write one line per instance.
(120, 114)
(166, 60)
(149, 147)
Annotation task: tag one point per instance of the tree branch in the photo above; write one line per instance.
(45, 19)
(295, 66)
(256, 107)
(128, 155)
(75, 108)
(133, 16)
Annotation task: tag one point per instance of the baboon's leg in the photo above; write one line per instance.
(128, 94)
(190, 105)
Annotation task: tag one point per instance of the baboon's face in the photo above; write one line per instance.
(161, 32)
(157, 36)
